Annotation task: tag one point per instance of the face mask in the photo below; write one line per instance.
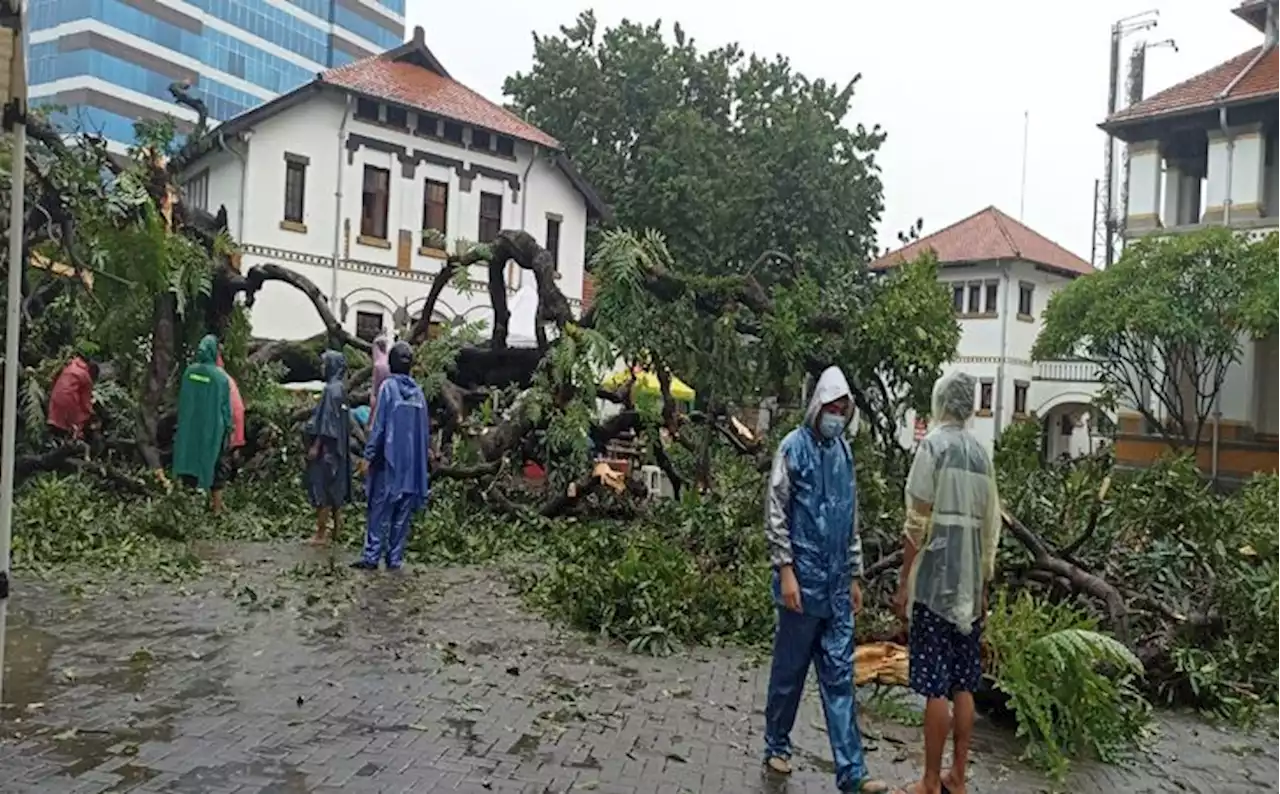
(831, 425)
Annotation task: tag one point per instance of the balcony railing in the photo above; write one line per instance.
(1067, 370)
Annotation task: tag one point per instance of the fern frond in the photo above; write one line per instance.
(33, 402)
(1070, 647)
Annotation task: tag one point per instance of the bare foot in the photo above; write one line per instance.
(950, 783)
(919, 788)
(779, 765)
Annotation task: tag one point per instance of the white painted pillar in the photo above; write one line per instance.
(1248, 168)
(1243, 151)
(1144, 186)
(1172, 193)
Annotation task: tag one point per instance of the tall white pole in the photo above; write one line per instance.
(13, 316)
(1022, 192)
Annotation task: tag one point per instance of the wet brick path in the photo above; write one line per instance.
(269, 675)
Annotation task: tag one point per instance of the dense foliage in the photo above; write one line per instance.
(728, 154)
(1165, 323)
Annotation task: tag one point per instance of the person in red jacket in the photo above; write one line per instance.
(71, 400)
(230, 463)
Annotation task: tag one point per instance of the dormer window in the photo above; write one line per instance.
(452, 132)
(366, 110)
(397, 117)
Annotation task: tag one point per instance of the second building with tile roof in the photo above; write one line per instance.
(353, 179)
(1001, 274)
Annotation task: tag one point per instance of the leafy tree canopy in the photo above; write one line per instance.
(1174, 309)
(729, 155)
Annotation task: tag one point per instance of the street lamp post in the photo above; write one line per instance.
(12, 39)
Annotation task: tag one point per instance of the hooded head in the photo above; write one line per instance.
(831, 405)
(400, 358)
(953, 398)
(333, 364)
(207, 352)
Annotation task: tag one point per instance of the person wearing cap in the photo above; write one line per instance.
(816, 553)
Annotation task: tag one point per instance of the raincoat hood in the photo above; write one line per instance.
(831, 387)
(207, 352)
(953, 398)
(400, 359)
(334, 365)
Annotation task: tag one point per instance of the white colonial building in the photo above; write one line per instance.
(1001, 274)
(1203, 153)
(340, 179)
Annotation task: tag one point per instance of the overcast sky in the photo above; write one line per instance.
(949, 81)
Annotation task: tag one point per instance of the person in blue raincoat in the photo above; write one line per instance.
(811, 524)
(328, 438)
(396, 456)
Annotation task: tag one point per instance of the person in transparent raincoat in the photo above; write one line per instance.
(811, 524)
(951, 533)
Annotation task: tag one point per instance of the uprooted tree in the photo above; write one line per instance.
(119, 267)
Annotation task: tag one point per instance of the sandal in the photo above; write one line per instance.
(778, 765)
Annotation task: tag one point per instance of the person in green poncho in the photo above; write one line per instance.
(204, 423)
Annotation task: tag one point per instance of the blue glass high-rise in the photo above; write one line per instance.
(105, 63)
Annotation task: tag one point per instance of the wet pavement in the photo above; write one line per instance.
(277, 673)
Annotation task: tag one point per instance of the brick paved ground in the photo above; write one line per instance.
(269, 676)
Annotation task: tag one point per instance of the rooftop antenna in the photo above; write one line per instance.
(1106, 225)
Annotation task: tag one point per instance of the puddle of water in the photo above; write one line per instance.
(27, 655)
(462, 728)
(526, 746)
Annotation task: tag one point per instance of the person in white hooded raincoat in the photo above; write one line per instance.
(949, 554)
(811, 524)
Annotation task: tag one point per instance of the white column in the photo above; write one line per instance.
(1243, 152)
(1248, 170)
(1144, 186)
(1172, 193)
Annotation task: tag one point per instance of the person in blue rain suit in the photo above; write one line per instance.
(396, 457)
(811, 524)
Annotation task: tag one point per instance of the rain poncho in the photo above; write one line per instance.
(397, 455)
(381, 369)
(953, 510)
(204, 416)
(71, 400)
(810, 518)
(811, 507)
(329, 473)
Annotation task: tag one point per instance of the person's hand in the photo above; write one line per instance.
(313, 453)
(362, 467)
(790, 588)
(900, 601)
(856, 592)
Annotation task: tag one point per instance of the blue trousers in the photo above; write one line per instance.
(827, 643)
(388, 531)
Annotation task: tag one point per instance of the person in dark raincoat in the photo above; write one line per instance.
(396, 455)
(816, 552)
(328, 439)
(200, 446)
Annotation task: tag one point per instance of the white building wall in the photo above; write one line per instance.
(367, 277)
(995, 348)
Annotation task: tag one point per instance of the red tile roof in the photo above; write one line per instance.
(397, 78)
(1205, 89)
(984, 236)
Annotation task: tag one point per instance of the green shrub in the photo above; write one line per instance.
(1073, 690)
